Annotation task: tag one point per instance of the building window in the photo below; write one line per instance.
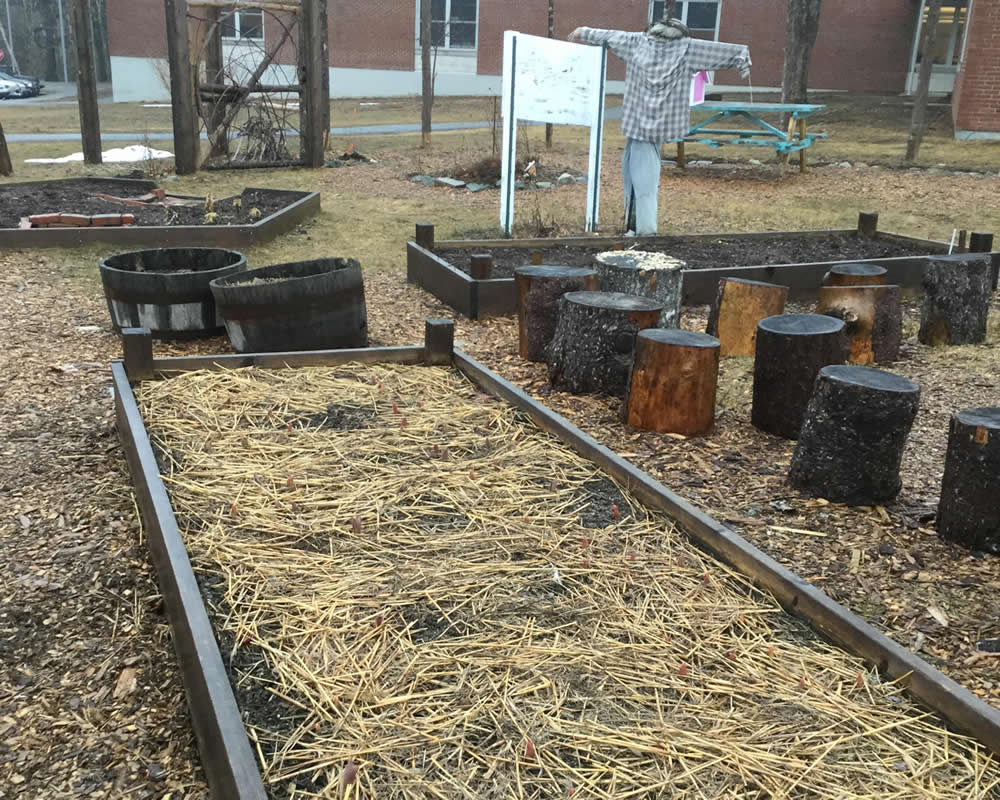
(453, 23)
(701, 17)
(244, 23)
(950, 34)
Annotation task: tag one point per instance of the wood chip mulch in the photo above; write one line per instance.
(91, 703)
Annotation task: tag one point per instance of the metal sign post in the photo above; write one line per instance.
(552, 82)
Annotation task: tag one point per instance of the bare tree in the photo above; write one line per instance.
(427, 69)
(801, 28)
(919, 118)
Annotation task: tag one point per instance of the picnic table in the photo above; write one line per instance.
(760, 133)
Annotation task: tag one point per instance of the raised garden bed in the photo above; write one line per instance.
(426, 590)
(254, 216)
(797, 259)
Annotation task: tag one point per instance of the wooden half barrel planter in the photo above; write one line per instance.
(167, 290)
(434, 265)
(301, 305)
(228, 757)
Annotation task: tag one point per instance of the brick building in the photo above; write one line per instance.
(374, 51)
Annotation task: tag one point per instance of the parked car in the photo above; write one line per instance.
(7, 88)
(24, 85)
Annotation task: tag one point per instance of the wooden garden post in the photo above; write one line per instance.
(86, 82)
(315, 57)
(6, 167)
(182, 88)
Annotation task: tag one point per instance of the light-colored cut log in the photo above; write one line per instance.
(673, 383)
(873, 320)
(739, 306)
(855, 275)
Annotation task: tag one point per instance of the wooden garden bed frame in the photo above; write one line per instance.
(227, 757)
(229, 236)
(497, 297)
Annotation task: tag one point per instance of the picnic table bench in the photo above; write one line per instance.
(762, 133)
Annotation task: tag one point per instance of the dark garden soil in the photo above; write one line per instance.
(79, 197)
(700, 254)
(488, 170)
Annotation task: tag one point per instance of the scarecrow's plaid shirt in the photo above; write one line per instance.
(657, 105)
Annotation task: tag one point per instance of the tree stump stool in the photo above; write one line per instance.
(791, 350)
(873, 320)
(956, 299)
(853, 436)
(538, 293)
(855, 275)
(969, 511)
(739, 306)
(653, 275)
(591, 350)
(674, 377)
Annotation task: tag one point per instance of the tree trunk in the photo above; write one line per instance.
(923, 80)
(956, 299)
(968, 512)
(86, 82)
(652, 275)
(853, 436)
(673, 383)
(855, 275)
(6, 167)
(591, 350)
(426, 68)
(873, 320)
(739, 306)
(801, 28)
(539, 290)
(552, 33)
(791, 350)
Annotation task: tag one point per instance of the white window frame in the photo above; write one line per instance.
(447, 48)
(235, 16)
(684, 13)
(955, 47)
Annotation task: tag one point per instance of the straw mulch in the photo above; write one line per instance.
(419, 594)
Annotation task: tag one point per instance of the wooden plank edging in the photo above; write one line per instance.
(303, 358)
(951, 700)
(226, 757)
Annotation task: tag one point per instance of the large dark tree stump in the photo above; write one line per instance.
(855, 275)
(653, 275)
(538, 293)
(969, 511)
(791, 350)
(739, 306)
(853, 436)
(956, 299)
(873, 320)
(674, 377)
(591, 350)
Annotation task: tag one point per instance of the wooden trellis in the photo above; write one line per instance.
(204, 91)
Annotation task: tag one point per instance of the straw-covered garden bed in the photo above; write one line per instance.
(419, 594)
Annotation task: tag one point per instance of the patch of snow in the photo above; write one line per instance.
(117, 155)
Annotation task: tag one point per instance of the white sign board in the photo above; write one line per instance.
(546, 80)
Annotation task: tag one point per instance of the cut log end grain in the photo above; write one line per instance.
(873, 320)
(673, 383)
(855, 275)
(644, 274)
(791, 350)
(956, 299)
(538, 291)
(968, 513)
(591, 350)
(739, 305)
(852, 440)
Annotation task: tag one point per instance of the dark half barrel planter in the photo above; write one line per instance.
(167, 290)
(302, 305)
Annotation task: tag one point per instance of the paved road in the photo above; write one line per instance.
(358, 130)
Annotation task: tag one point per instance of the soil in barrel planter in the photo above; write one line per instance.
(80, 197)
(702, 254)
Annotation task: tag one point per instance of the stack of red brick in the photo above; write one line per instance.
(79, 220)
